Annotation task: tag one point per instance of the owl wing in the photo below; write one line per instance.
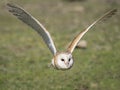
(34, 23)
(75, 41)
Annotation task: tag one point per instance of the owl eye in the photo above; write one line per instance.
(62, 59)
(69, 59)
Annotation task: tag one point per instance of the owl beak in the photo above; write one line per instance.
(66, 63)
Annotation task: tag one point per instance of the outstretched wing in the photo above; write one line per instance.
(81, 34)
(34, 23)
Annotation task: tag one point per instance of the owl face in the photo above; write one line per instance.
(63, 61)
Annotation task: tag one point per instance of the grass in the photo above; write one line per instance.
(24, 58)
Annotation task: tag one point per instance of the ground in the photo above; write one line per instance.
(24, 57)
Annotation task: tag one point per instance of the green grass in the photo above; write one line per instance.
(24, 58)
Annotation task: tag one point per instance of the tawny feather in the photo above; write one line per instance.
(81, 34)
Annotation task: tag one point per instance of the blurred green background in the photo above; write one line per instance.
(24, 58)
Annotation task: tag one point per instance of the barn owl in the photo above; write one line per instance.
(61, 60)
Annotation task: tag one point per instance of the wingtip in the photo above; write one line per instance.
(9, 4)
(114, 10)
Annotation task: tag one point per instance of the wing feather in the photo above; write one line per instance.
(34, 23)
(81, 34)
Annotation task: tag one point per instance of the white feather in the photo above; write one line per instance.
(34, 23)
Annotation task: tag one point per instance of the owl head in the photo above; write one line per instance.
(63, 61)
